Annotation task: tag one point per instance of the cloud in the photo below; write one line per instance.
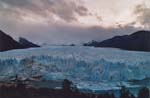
(14, 13)
(67, 10)
(143, 15)
(61, 33)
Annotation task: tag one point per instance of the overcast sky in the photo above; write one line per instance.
(73, 21)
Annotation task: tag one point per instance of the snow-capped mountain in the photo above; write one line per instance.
(83, 65)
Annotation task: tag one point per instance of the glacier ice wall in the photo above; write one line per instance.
(75, 63)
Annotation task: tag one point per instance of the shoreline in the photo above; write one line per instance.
(57, 86)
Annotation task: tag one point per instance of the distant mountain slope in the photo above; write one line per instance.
(8, 43)
(138, 41)
(26, 43)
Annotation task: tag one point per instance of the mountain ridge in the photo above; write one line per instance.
(26, 43)
(8, 43)
(138, 41)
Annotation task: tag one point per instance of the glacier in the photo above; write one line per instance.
(88, 67)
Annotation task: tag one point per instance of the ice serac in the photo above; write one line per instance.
(88, 65)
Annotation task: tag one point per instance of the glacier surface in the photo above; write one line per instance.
(88, 67)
